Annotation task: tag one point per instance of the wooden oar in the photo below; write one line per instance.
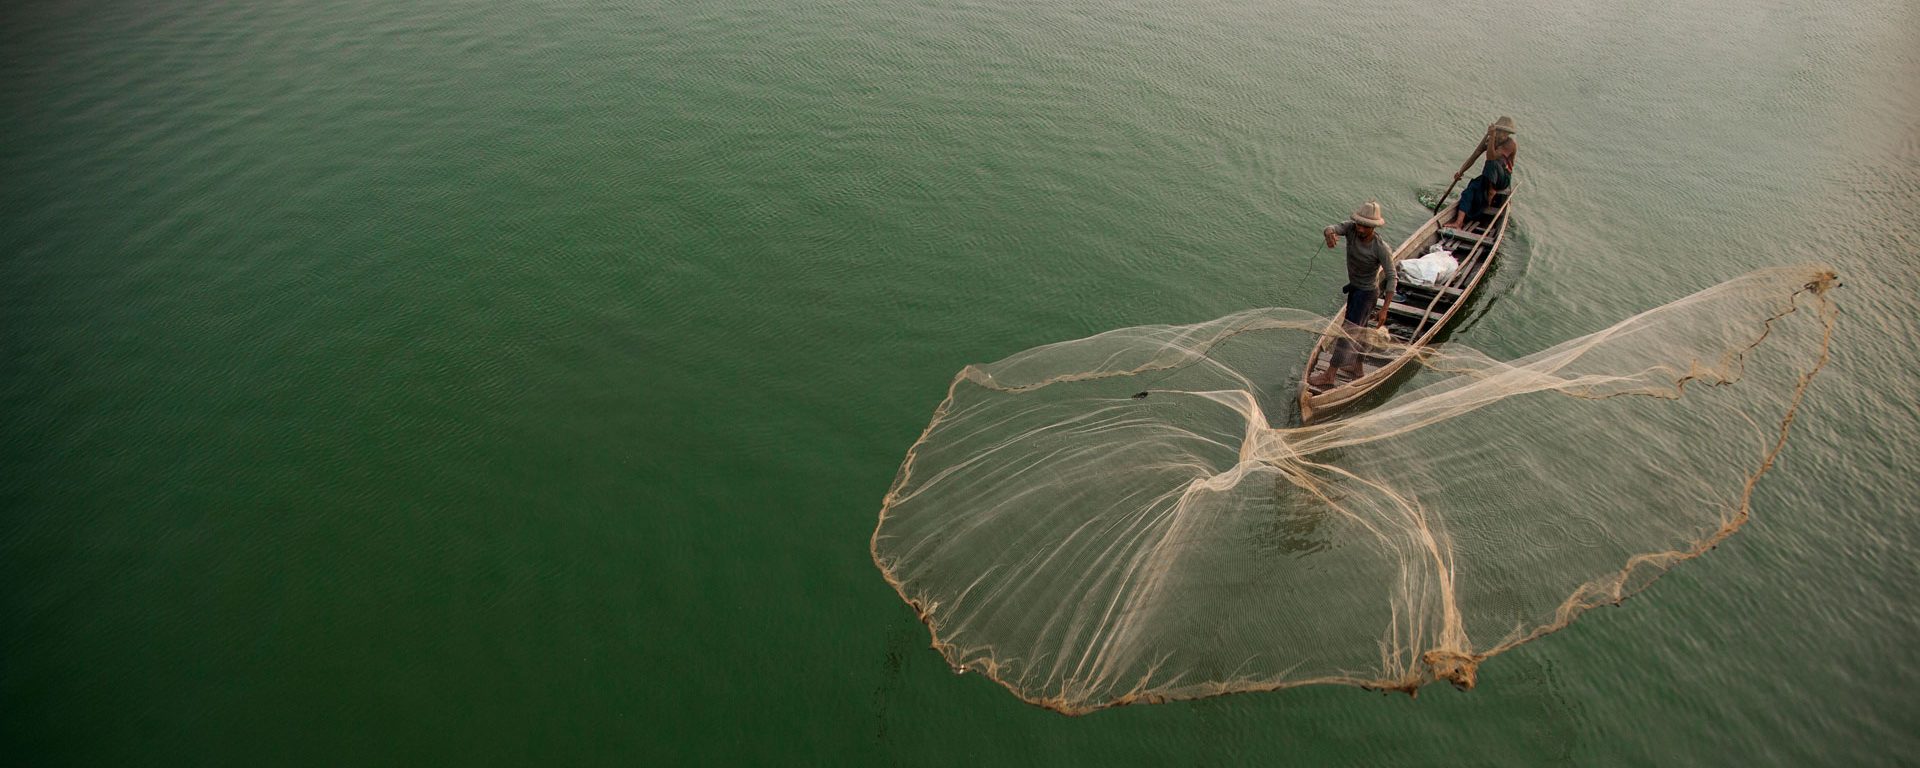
(1442, 202)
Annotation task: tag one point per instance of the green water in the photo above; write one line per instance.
(450, 383)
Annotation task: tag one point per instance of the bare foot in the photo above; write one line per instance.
(1321, 380)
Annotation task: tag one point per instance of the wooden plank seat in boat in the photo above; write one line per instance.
(1409, 310)
(1462, 237)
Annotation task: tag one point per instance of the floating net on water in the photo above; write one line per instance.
(1087, 547)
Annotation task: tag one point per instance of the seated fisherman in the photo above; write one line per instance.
(1495, 176)
(1369, 276)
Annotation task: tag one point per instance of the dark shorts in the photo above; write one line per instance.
(1473, 200)
(1359, 305)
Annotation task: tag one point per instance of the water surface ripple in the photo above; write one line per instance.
(459, 383)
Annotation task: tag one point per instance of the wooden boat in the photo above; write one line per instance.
(1417, 314)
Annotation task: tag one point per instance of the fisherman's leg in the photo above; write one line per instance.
(1468, 208)
(1342, 356)
(1343, 353)
(1351, 364)
(1336, 355)
(1359, 307)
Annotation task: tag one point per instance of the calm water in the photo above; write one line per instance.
(442, 382)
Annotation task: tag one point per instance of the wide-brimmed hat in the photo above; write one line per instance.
(1369, 214)
(1503, 124)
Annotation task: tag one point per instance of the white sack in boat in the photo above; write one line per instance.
(1432, 269)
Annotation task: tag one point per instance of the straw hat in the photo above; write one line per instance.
(1504, 124)
(1369, 214)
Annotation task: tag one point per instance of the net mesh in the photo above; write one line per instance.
(1117, 519)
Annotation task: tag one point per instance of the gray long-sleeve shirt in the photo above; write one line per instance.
(1364, 258)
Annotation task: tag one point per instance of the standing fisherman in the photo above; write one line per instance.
(1369, 276)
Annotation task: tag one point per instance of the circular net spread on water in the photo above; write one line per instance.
(1087, 547)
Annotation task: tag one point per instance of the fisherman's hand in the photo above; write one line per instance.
(1458, 174)
(1331, 238)
(1381, 318)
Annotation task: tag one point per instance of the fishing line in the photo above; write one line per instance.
(1313, 256)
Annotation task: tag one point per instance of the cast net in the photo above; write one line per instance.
(1088, 547)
